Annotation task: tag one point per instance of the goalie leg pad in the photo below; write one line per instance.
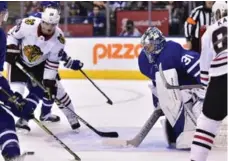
(170, 100)
(184, 140)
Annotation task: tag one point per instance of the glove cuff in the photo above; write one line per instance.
(68, 63)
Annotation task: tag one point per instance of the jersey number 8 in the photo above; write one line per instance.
(219, 39)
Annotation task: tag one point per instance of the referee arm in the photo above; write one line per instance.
(189, 25)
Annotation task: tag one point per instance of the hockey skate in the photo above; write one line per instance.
(15, 159)
(75, 125)
(19, 158)
(49, 118)
(22, 125)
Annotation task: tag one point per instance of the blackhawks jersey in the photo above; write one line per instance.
(35, 49)
(213, 59)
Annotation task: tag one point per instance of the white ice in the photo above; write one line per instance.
(132, 106)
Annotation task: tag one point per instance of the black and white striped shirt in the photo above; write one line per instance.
(199, 17)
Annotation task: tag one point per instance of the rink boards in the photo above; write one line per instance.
(106, 58)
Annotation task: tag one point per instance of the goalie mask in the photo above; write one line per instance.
(50, 19)
(152, 42)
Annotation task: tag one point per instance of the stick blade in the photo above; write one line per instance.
(109, 134)
(110, 102)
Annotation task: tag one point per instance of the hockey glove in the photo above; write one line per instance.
(22, 108)
(73, 64)
(27, 111)
(51, 88)
(13, 52)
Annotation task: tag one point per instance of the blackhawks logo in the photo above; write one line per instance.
(30, 21)
(61, 39)
(32, 52)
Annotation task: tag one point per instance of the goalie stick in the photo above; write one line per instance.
(42, 126)
(100, 133)
(169, 86)
(136, 141)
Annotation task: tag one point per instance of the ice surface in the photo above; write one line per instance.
(132, 106)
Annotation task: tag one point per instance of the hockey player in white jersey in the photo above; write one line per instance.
(42, 43)
(213, 66)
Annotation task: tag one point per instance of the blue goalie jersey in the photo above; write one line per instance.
(173, 55)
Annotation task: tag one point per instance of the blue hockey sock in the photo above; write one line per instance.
(46, 106)
(9, 144)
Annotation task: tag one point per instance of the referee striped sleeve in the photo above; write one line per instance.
(191, 21)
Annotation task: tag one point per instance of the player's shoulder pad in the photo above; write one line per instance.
(142, 59)
(30, 21)
(142, 55)
(170, 42)
(60, 36)
(172, 45)
(27, 24)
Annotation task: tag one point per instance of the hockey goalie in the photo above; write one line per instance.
(180, 67)
(168, 64)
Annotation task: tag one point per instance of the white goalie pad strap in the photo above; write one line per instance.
(170, 99)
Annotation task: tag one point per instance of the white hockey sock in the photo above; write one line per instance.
(204, 136)
(65, 106)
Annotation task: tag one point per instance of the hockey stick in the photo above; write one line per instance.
(100, 133)
(136, 141)
(169, 86)
(42, 126)
(109, 100)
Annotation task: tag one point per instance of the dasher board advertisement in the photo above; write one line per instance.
(160, 19)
